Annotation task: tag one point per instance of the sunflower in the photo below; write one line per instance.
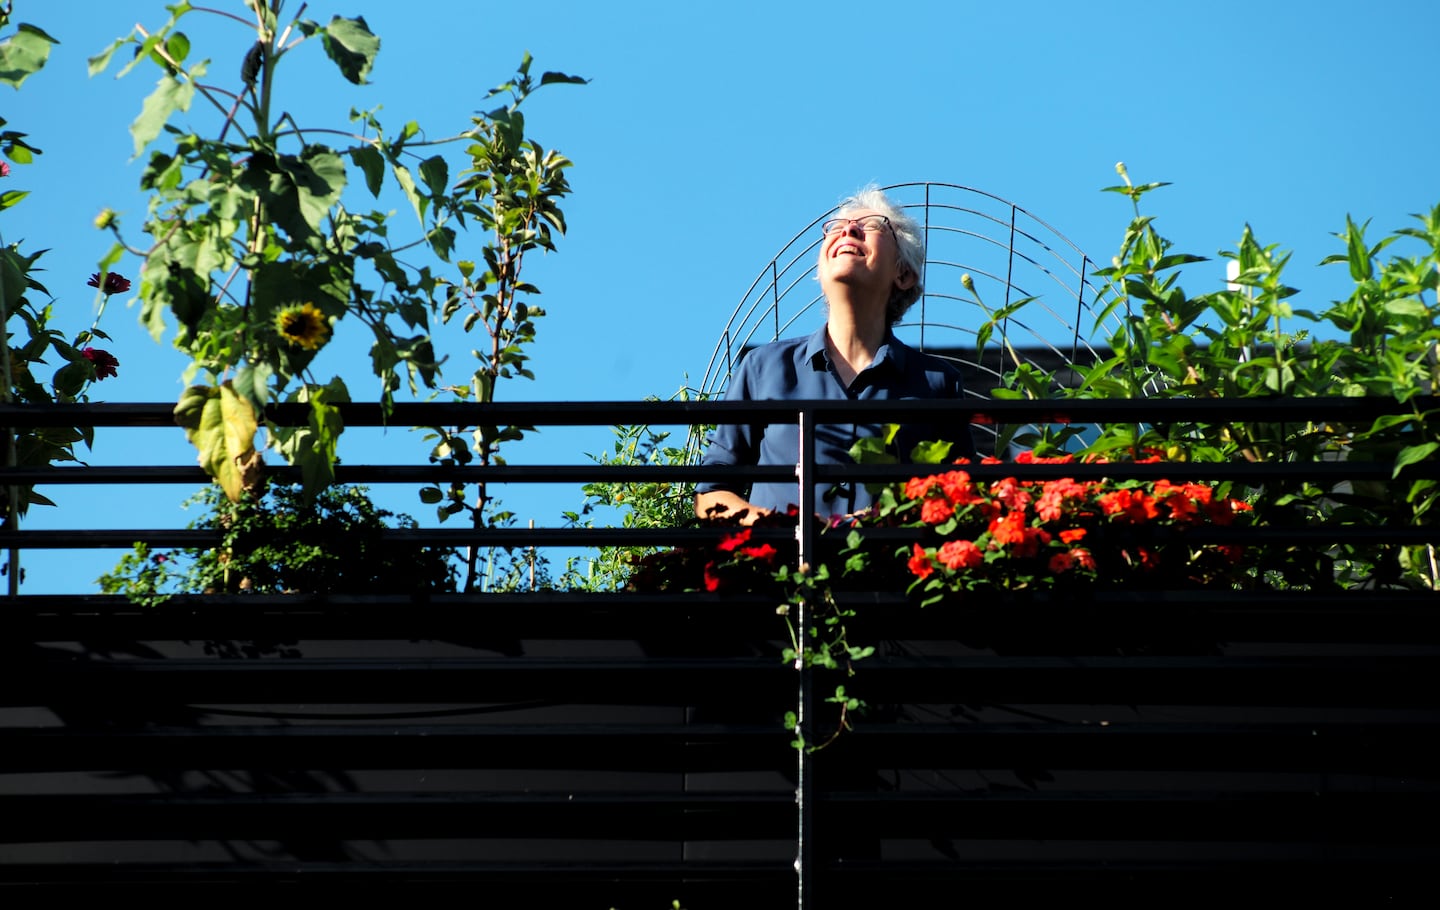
(303, 325)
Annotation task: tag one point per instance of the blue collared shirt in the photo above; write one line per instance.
(799, 368)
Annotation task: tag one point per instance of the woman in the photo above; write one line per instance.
(871, 257)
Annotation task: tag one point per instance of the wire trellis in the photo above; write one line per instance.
(1009, 254)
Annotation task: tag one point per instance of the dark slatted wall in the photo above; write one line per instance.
(629, 751)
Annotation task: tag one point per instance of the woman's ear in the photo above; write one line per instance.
(905, 280)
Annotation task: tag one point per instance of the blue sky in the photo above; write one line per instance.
(709, 136)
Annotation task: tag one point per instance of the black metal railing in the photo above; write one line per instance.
(627, 748)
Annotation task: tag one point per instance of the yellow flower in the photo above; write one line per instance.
(303, 325)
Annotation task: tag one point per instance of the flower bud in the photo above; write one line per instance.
(967, 282)
(105, 219)
(1120, 169)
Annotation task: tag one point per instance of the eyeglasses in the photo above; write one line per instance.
(869, 224)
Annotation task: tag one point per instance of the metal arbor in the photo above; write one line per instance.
(1009, 254)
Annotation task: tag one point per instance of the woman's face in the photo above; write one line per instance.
(861, 253)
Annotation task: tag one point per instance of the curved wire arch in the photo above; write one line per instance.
(1009, 253)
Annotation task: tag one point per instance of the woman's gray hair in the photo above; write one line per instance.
(909, 239)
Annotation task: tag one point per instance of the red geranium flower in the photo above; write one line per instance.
(1083, 558)
(919, 562)
(1054, 496)
(1009, 492)
(1072, 535)
(1061, 563)
(1223, 512)
(765, 552)
(734, 541)
(917, 487)
(935, 511)
(1134, 506)
(1009, 530)
(104, 362)
(1032, 539)
(1143, 557)
(115, 283)
(961, 554)
(712, 578)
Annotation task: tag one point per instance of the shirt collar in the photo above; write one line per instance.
(891, 349)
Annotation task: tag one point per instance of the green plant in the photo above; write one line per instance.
(1242, 341)
(641, 504)
(512, 189)
(276, 543)
(33, 345)
(256, 255)
(1247, 340)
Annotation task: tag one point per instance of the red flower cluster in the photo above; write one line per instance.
(1019, 534)
(1008, 535)
(104, 362)
(115, 283)
(738, 546)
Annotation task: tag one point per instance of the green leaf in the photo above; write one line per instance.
(19, 152)
(221, 425)
(1412, 307)
(178, 47)
(111, 258)
(436, 174)
(101, 60)
(442, 241)
(170, 95)
(369, 160)
(352, 46)
(871, 450)
(304, 189)
(313, 447)
(547, 78)
(23, 54)
(931, 452)
(1358, 254)
(1413, 454)
(11, 197)
(407, 184)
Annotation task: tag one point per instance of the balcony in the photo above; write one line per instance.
(627, 749)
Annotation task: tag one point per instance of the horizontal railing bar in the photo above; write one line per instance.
(507, 473)
(1355, 618)
(605, 413)
(1258, 472)
(762, 884)
(417, 877)
(1180, 815)
(292, 605)
(1297, 747)
(758, 683)
(454, 537)
(624, 815)
(400, 743)
(104, 539)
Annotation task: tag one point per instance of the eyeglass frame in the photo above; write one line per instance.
(839, 225)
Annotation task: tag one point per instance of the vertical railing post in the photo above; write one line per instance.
(804, 708)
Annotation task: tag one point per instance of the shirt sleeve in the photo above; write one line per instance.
(732, 443)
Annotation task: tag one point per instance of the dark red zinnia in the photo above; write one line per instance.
(104, 362)
(115, 283)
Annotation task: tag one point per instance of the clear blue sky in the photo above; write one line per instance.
(710, 134)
